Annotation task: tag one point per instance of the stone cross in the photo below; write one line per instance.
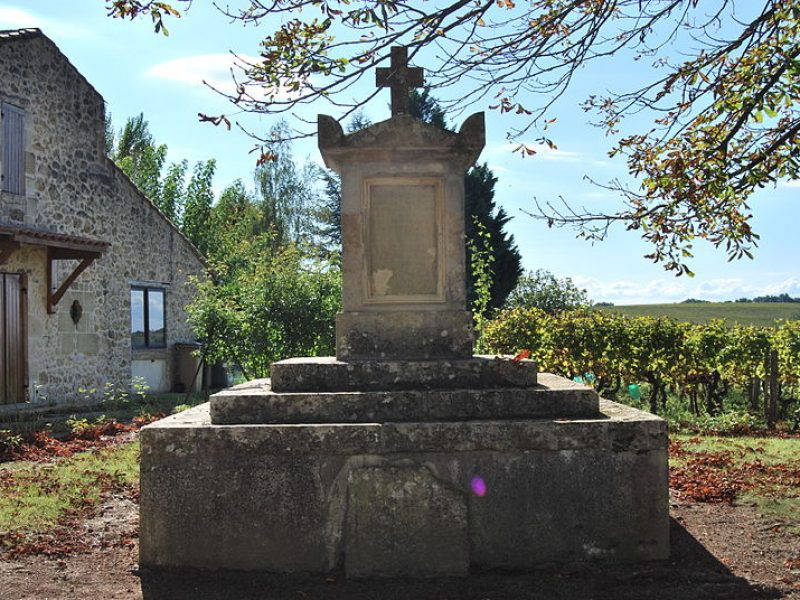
(400, 78)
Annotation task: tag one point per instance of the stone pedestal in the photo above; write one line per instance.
(370, 467)
(380, 483)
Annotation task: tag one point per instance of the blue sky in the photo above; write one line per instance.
(138, 71)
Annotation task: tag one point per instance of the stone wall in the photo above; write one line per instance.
(73, 188)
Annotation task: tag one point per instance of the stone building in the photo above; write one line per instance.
(93, 277)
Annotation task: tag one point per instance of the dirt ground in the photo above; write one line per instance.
(718, 552)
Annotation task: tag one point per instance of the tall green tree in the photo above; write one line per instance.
(715, 119)
(139, 157)
(197, 207)
(327, 214)
(481, 210)
(184, 199)
(173, 187)
(286, 192)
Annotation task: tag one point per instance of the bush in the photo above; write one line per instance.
(706, 366)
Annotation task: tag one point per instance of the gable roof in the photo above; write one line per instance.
(14, 35)
(31, 33)
(44, 237)
(7, 35)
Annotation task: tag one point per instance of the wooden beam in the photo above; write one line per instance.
(58, 253)
(60, 244)
(53, 254)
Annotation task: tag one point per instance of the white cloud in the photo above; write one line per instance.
(12, 17)
(675, 290)
(790, 183)
(543, 151)
(216, 70)
(598, 195)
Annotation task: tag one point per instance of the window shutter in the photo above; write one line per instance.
(13, 156)
(12, 343)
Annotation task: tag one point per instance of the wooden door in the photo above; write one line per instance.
(13, 360)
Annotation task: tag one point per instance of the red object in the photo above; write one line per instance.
(523, 354)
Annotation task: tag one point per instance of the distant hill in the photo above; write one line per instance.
(744, 313)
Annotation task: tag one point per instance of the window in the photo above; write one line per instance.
(148, 329)
(12, 151)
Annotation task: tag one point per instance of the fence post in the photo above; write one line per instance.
(774, 390)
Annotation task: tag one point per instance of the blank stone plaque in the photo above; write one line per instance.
(403, 251)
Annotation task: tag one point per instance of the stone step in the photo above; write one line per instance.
(256, 403)
(327, 374)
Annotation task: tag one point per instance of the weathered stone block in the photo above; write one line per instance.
(255, 402)
(420, 529)
(404, 335)
(277, 497)
(327, 374)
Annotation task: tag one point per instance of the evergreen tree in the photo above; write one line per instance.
(327, 227)
(480, 211)
(425, 107)
(327, 213)
(480, 208)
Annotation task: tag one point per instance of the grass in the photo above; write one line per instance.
(744, 313)
(780, 510)
(768, 450)
(55, 417)
(36, 497)
(153, 405)
(764, 468)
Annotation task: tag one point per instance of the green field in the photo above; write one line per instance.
(744, 313)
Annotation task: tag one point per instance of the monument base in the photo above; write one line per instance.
(404, 335)
(394, 498)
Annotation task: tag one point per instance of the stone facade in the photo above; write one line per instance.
(72, 189)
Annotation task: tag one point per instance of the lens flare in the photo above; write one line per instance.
(478, 486)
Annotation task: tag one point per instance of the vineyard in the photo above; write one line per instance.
(708, 369)
(743, 313)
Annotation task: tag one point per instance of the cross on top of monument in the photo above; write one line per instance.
(400, 78)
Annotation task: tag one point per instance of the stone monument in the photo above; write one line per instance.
(404, 455)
